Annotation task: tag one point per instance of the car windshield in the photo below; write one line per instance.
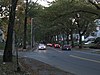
(41, 44)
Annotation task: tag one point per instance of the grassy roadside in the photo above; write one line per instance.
(96, 52)
(2, 45)
(9, 68)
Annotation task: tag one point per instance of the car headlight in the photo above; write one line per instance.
(39, 47)
(44, 46)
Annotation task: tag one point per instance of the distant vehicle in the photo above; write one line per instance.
(49, 44)
(42, 47)
(66, 47)
(56, 45)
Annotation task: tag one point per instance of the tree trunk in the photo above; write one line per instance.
(7, 56)
(72, 40)
(63, 39)
(25, 26)
(57, 38)
(80, 41)
(67, 38)
(50, 39)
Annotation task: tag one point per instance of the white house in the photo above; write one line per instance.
(97, 33)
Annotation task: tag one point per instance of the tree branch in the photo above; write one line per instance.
(94, 4)
(85, 11)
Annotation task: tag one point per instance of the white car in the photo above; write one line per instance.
(42, 47)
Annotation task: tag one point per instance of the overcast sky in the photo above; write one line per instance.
(43, 2)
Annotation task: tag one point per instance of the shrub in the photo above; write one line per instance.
(2, 45)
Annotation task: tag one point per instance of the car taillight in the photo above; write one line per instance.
(54, 45)
(50, 44)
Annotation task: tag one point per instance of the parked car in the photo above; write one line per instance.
(66, 47)
(56, 45)
(49, 44)
(42, 47)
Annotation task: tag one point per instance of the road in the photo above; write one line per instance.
(77, 62)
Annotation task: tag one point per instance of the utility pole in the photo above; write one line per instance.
(32, 33)
(25, 26)
(13, 43)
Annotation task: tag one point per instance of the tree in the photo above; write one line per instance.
(85, 22)
(7, 56)
(94, 3)
(61, 11)
(55, 19)
(97, 40)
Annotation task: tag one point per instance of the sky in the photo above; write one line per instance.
(43, 2)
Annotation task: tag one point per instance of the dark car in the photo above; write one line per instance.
(66, 47)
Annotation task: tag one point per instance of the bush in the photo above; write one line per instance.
(97, 40)
(2, 45)
(96, 46)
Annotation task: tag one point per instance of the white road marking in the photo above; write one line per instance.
(82, 58)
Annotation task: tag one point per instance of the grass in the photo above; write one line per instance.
(2, 45)
(88, 45)
(97, 52)
(10, 68)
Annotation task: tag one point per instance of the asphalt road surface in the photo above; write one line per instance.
(77, 62)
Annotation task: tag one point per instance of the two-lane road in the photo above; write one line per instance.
(77, 62)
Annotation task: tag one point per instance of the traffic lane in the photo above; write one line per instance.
(95, 64)
(50, 52)
(86, 55)
(58, 59)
